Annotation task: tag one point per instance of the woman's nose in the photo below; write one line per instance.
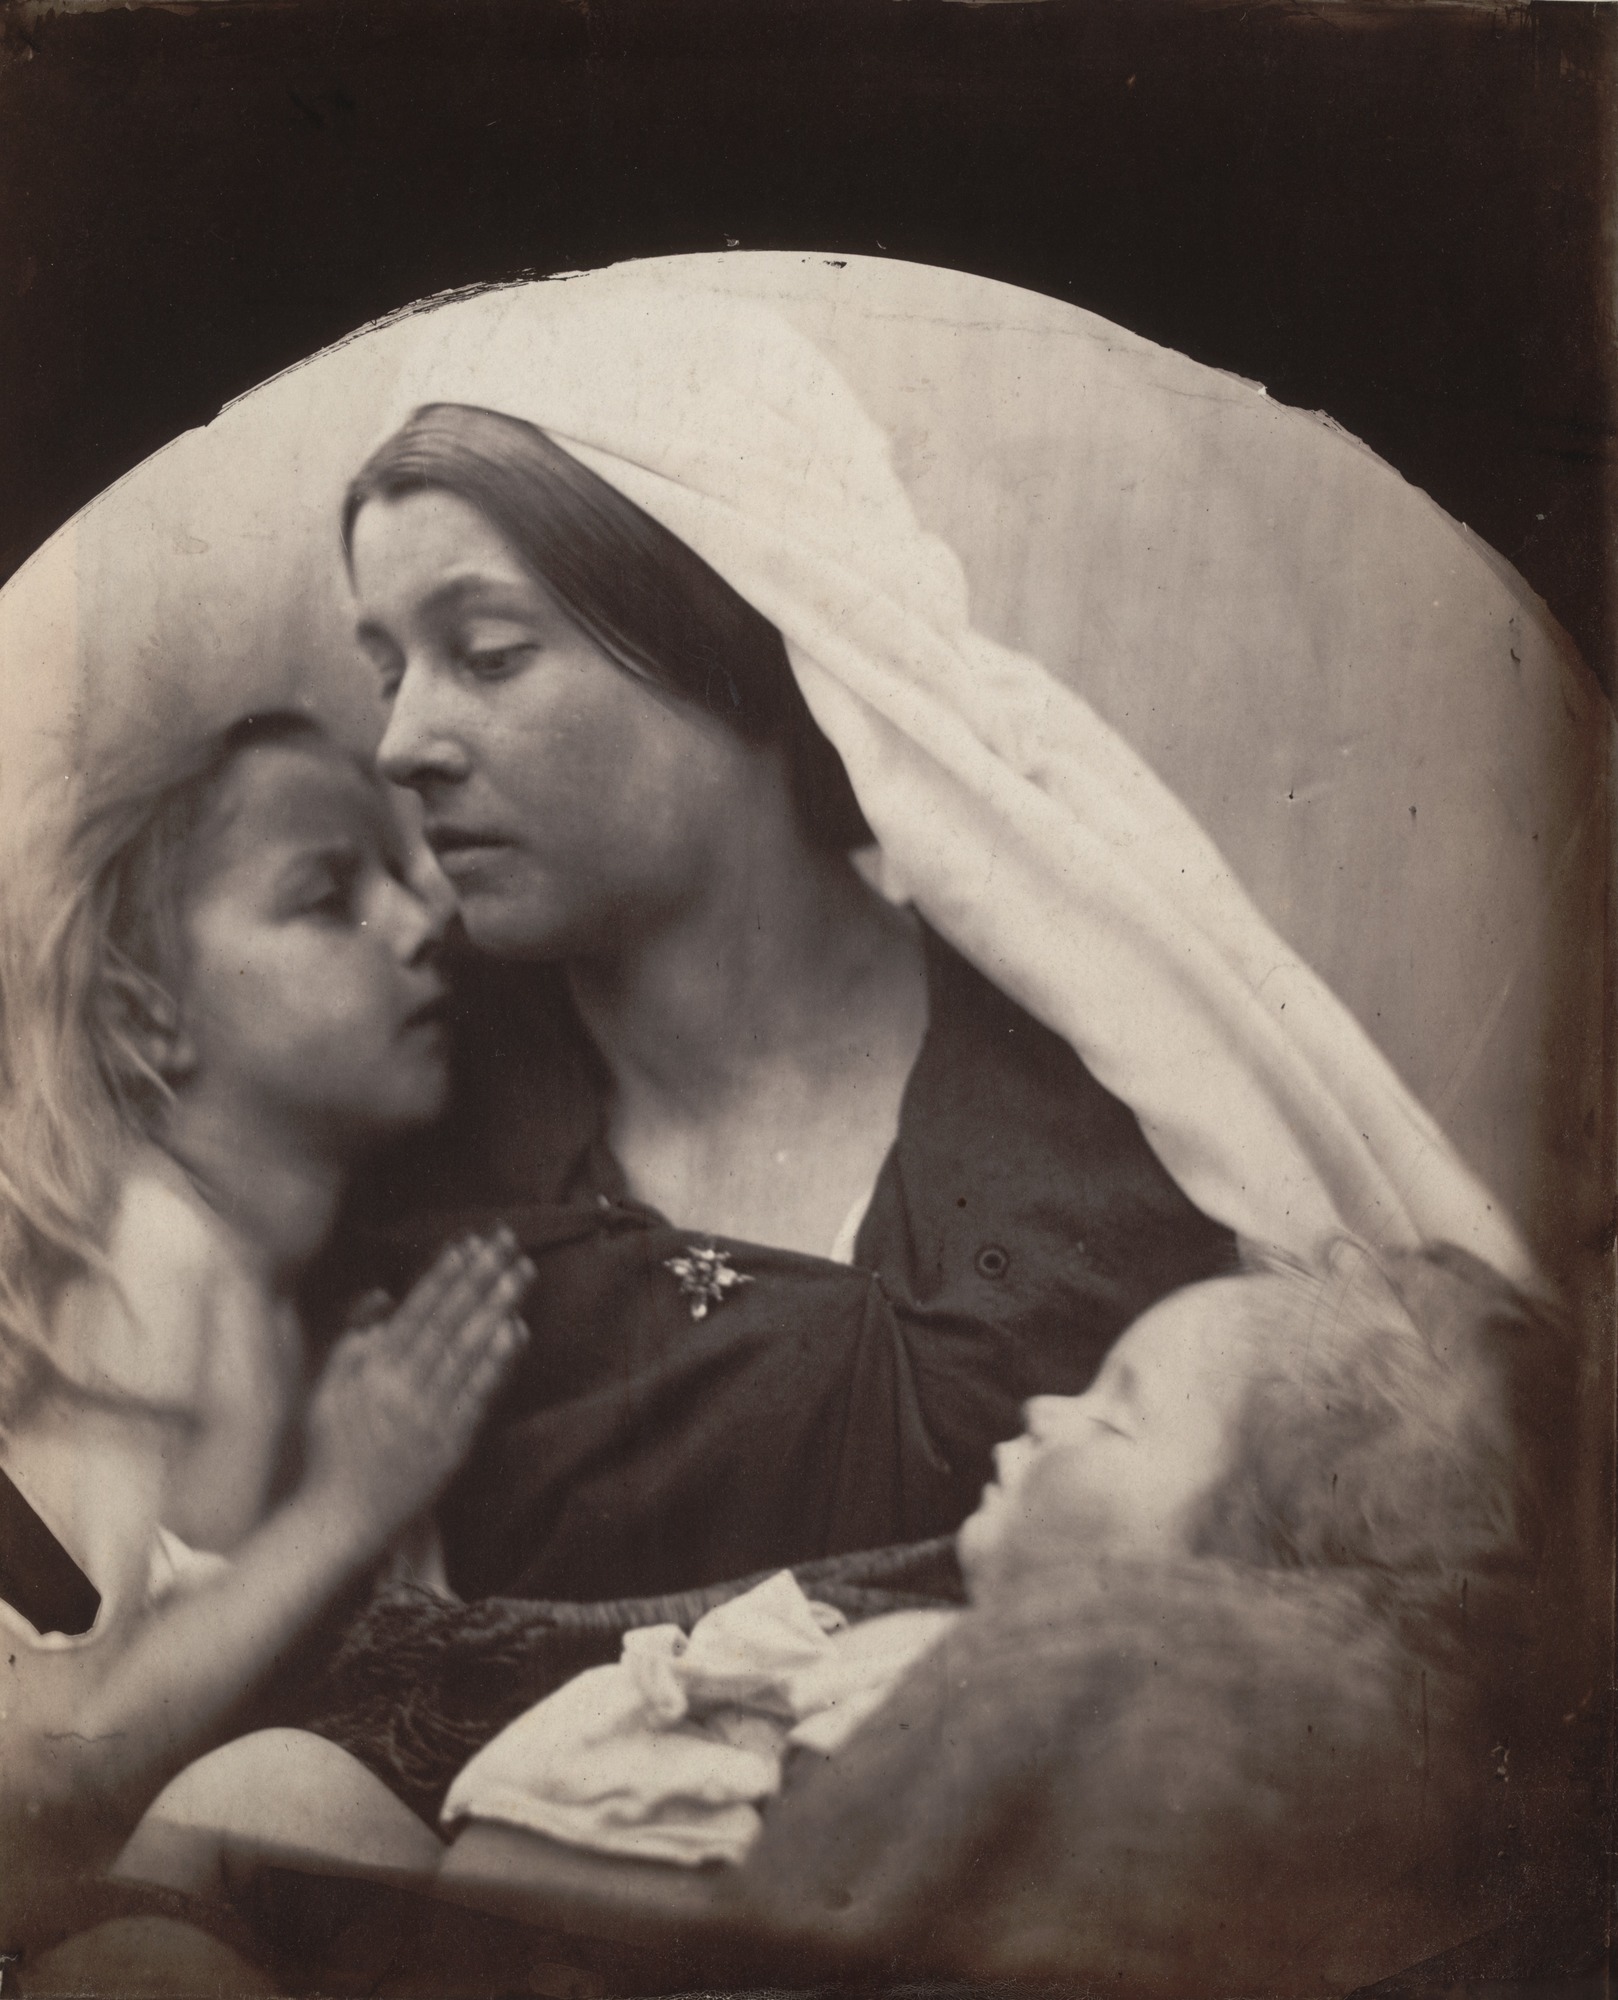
(419, 747)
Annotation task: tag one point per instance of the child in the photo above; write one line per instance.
(1371, 1414)
(230, 991)
(1235, 1705)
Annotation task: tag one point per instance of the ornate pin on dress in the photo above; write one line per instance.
(705, 1277)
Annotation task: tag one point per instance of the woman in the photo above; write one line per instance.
(816, 1204)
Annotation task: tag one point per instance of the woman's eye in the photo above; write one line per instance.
(492, 663)
(386, 658)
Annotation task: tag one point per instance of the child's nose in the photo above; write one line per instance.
(424, 917)
(429, 884)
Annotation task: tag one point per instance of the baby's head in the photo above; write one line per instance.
(241, 924)
(1376, 1414)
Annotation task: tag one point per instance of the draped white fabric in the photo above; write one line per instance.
(1304, 644)
(1023, 826)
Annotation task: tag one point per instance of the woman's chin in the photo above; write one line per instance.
(509, 926)
(538, 930)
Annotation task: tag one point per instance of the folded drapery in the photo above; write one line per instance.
(1024, 828)
(417, 1684)
(1171, 1778)
(668, 1753)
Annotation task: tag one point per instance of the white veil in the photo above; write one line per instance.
(1024, 828)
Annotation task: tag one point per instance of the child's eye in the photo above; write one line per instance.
(330, 895)
(333, 902)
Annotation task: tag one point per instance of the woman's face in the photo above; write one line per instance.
(570, 803)
(1126, 1465)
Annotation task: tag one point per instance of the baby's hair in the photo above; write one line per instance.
(1405, 1415)
(90, 958)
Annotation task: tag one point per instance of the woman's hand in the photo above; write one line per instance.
(400, 1401)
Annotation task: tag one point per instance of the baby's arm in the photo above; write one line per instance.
(90, 1736)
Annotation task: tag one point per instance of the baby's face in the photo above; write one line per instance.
(1124, 1466)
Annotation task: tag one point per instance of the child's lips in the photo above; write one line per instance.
(430, 1014)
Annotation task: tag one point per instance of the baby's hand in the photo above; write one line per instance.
(400, 1401)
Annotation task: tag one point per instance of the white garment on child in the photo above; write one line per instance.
(172, 1565)
(174, 1321)
(668, 1754)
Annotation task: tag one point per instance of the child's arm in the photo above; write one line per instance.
(98, 1731)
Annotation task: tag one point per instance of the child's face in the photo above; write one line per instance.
(1124, 1466)
(311, 995)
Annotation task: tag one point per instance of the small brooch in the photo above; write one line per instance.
(705, 1277)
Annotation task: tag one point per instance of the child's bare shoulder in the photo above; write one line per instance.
(142, 1324)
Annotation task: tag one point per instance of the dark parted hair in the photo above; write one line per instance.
(647, 600)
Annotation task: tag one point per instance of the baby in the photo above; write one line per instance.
(1370, 1413)
(1238, 1706)
(1360, 1419)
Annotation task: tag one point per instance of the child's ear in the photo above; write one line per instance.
(145, 1019)
(172, 1052)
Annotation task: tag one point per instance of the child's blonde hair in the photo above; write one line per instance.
(1404, 1415)
(91, 959)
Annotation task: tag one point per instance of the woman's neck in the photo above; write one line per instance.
(757, 972)
(760, 1042)
(277, 1196)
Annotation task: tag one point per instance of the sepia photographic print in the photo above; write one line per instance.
(806, 1109)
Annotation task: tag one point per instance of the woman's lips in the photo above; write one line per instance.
(459, 846)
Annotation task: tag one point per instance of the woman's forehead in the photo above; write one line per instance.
(426, 537)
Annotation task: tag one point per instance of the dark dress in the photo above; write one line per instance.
(1019, 1223)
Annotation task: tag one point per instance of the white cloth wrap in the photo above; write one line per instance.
(669, 1754)
(1023, 827)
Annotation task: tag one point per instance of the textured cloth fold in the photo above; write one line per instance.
(668, 1754)
(1099, 1763)
(415, 1684)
